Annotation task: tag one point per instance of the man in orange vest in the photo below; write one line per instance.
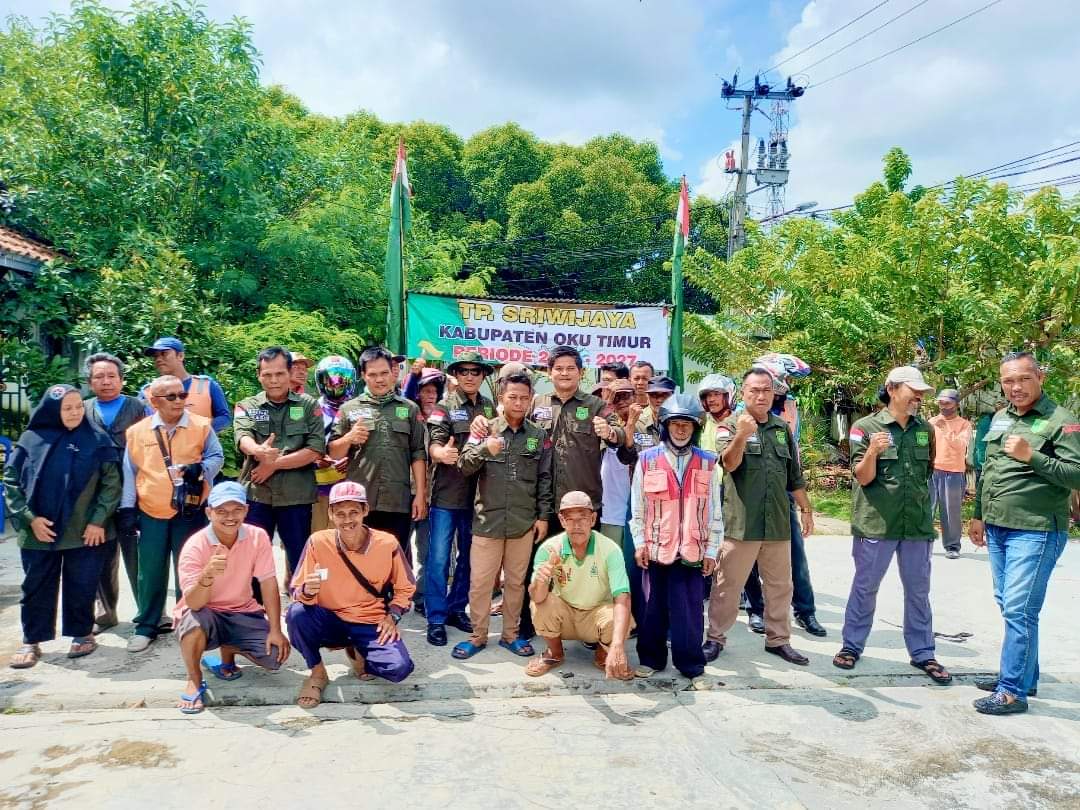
(205, 396)
(678, 526)
(173, 453)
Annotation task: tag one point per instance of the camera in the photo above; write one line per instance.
(187, 495)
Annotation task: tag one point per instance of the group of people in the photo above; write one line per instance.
(597, 517)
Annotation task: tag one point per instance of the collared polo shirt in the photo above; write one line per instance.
(249, 558)
(588, 583)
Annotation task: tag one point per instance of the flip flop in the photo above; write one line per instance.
(358, 665)
(542, 666)
(192, 698)
(938, 674)
(518, 646)
(309, 685)
(223, 672)
(30, 655)
(466, 649)
(80, 648)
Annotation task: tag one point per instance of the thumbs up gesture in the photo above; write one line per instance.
(359, 432)
(266, 453)
(494, 445)
(547, 570)
(449, 453)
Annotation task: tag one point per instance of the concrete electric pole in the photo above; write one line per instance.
(764, 177)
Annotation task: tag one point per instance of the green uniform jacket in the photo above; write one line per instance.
(297, 424)
(1031, 496)
(577, 452)
(756, 505)
(95, 504)
(513, 489)
(383, 464)
(450, 488)
(896, 504)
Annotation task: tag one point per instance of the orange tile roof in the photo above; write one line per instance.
(11, 241)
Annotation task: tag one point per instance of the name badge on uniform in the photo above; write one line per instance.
(259, 414)
(1000, 424)
(643, 439)
(582, 413)
(541, 413)
(459, 415)
(752, 438)
(296, 412)
(362, 413)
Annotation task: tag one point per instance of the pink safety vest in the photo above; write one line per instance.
(676, 517)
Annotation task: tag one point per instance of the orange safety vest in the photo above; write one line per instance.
(198, 399)
(676, 515)
(153, 486)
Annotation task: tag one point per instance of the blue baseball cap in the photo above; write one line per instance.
(227, 491)
(163, 344)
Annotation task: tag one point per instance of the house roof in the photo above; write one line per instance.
(11, 241)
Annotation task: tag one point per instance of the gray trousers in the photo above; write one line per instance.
(947, 493)
(872, 559)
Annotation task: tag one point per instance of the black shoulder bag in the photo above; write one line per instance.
(187, 495)
(387, 592)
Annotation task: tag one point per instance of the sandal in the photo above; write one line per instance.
(222, 671)
(518, 646)
(27, 656)
(542, 665)
(82, 647)
(193, 699)
(311, 692)
(938, 673)
(466, 649)
(358, 666)
(845, 659)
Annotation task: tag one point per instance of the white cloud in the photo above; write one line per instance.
(993, 88)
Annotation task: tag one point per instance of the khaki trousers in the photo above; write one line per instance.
(554, 618)
(737, 557)
(320, 514)
(488, 556)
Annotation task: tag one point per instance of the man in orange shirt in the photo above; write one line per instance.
(952, 434)
(351, 589)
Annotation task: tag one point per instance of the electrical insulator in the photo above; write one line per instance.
(783, 154)
(761, 153)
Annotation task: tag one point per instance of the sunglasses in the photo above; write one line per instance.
(471, 372)
(173, 397)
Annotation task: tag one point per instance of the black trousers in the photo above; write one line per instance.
(77, 570)
(398, 524)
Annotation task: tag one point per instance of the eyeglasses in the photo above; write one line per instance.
(172, 397)
(472, 371)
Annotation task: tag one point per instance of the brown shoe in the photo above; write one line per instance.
(790, 655)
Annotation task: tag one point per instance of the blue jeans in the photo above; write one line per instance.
(444, 524)
(1021, 562)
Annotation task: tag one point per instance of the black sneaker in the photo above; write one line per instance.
(997, 703)
(811, 625)
(991, 685)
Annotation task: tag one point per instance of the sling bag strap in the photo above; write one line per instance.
(165, 454)
(385, 595)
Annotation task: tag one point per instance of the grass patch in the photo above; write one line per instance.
(836, 503)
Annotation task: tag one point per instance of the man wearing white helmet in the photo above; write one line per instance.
(717, 395)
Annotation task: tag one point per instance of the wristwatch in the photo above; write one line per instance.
(396, 617)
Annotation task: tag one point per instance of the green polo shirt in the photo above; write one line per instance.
(297, 424)
(756, 505)
(590, 582)
(1032, 495)
(383, 464)
(896, 504)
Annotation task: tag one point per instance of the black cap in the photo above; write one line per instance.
(660, 385)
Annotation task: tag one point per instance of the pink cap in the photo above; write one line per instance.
(348, 491)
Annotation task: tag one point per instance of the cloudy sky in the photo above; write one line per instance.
(995, 87)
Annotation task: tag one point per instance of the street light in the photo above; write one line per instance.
(800, 207)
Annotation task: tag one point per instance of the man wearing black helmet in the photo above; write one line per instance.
(677, 524)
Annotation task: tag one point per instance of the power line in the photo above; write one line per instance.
(906, 44)
(827, 36)
(857, 40)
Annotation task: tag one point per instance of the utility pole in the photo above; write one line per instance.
(764, 177)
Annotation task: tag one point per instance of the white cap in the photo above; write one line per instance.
(909, 376)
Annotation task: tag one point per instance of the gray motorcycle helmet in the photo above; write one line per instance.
(680, 406)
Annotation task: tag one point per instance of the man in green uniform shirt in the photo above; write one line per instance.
(452, 495)
(580, 591)
(512, 464)
(760, 467)
(892, 461)
(383, 435)
(1022, 517)
(279, 434)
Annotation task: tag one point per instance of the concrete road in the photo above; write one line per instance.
(101, 731)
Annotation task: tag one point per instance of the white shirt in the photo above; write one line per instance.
(615, 479)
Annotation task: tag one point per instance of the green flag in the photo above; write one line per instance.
(682, 233)
(394, 269)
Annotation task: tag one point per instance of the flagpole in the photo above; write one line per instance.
(401, 253)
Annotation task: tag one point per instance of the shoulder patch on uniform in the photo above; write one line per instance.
(723, 432)
(606, 411)
(438, 414)
(1070, 428)
(238, 410)
(856, 435)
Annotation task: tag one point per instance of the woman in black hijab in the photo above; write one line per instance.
(61, 485)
